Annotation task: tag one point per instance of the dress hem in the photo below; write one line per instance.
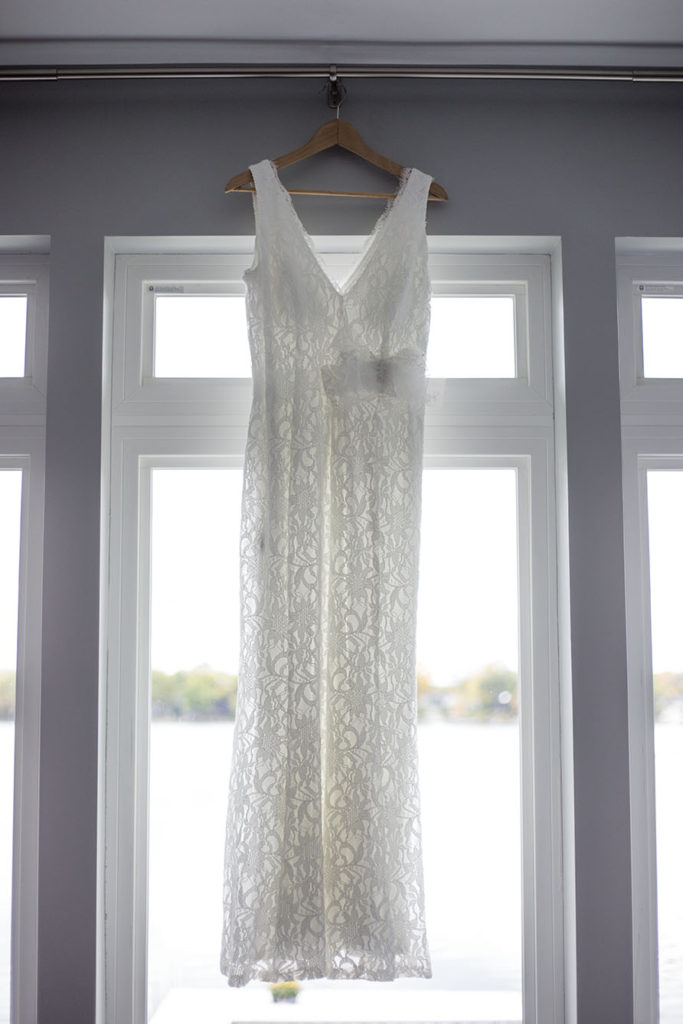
(285, 969)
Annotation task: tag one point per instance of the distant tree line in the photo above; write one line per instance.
(196, 695)
(490, 695)
(486, 696)
(668, 697)
(201, 694)
(7, 689)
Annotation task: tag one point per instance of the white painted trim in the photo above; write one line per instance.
(641, 740)
(24, 245)
(566, 715)
(27, 721)
(25, 396)
(644, 450)
(137, 395)
(652, 437)
(22, 446)
(23, 449)
(204, 245)
(496, 429)
(641, 396)
(104, 625)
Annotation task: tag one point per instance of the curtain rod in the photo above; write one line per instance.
(114, 72)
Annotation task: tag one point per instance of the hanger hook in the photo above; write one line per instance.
(336, 91)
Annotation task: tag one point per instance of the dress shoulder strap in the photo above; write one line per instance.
(267, 204)
(269, 212)
(262, 173)
(414, 197)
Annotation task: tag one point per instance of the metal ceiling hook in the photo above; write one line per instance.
(336, 91)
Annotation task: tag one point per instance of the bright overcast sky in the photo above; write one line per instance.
(468, 573)
(468, 577)
(665, 515)
(10, 514)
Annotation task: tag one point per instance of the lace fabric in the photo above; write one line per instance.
(323, 872)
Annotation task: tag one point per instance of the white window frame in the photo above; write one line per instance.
(22, 447)
(159, 422)
(27, 274)
(652, 438)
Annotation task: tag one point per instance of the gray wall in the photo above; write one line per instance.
(585, 162)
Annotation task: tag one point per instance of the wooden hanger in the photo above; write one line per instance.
(336, 132)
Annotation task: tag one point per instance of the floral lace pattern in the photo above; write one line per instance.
(323, 871)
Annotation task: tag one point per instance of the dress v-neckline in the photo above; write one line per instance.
(342, 290)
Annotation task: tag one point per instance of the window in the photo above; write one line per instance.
(23, 329)
(13, 313)
(650, 284)
(10, 534)
(216, 325)
(661, 311)
(23, 338)
(487, 674)
(472, 336)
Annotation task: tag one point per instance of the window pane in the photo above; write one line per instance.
(195, 622)
(665, 515)
(469, 755)
(467, 652)
(472, 336)
(10, 525)
(662, 335)
(206, 336)
(13, 311)
(200, 336)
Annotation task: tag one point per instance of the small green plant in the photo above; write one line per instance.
(285, 991)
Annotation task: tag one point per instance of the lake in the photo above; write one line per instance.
(470, 786)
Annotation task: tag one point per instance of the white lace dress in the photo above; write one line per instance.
(323, 871)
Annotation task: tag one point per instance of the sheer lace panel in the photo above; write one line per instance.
(323, 873)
